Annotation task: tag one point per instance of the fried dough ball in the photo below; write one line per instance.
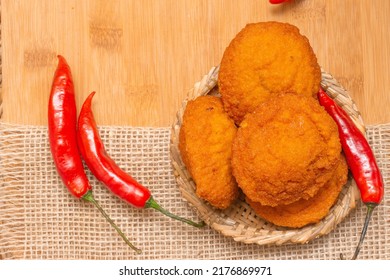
(304, 212)
(205, 144)
(264, 59)
(286, 150)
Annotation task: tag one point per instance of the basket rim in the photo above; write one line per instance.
(260, 231)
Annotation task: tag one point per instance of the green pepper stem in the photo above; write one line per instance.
(151, 203)
(89, 197)
(370, 209)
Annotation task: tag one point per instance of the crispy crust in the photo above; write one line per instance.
(264, 59)
(286, 150)
(205, 142)
(304, 212)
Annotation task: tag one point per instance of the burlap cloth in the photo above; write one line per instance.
(41, 220)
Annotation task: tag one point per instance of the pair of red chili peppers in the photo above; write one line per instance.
(360, 158)
(67, 141)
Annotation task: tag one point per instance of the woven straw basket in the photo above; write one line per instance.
(239, 221)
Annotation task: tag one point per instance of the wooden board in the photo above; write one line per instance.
(141, 57)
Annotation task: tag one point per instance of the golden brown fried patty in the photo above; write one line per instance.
(304, 212)
(264, 59)
(286, 150)
(205, 143)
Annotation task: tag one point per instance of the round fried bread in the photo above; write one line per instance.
(304, 212)
(285, 150)
(264, 59)
(205, 144)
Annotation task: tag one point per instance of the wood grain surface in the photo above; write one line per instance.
(141, 57)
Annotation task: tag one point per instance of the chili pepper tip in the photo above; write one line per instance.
(89, 197)
(277, 1)
(151, 203)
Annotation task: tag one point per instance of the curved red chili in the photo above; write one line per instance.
(277, 1)
(62, 118)
(107, 171)
(62, 121)
(360, 158)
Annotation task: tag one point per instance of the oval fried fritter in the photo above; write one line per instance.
(304, 212)
(285, 150)
(264, 59)
(205, 143)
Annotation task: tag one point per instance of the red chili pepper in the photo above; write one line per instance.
(277, 1)
(62, 120)
(108, 172)
(360, 158)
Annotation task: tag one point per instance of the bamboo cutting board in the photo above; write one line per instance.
(141, 57)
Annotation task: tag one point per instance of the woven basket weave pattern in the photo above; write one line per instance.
(239, 221)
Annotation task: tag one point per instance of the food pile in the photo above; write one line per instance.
(266, 136)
